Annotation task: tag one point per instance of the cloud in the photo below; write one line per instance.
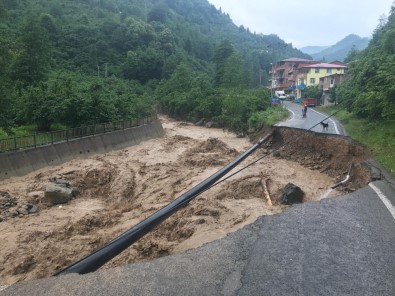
(307, 22)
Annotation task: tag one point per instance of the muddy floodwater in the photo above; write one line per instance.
(117, 190)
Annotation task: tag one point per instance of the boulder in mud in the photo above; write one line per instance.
(57, 194)
(292, 194)
(201, 122)
(211, 124)
(32, 209)
(5, 194)
(7, 203)
(375, 173)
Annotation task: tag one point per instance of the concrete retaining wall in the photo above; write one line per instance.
(22, 162)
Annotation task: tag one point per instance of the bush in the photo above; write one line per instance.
(268, 117)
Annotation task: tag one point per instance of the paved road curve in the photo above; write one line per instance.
(313, 118)
(336, 246)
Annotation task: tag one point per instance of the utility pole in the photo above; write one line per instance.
(272, 80)
(98, 70)
(146, 12)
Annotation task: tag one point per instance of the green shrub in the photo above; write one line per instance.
(269, 117)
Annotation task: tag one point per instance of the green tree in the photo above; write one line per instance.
(234, 73)
(158, 13)
(173, 94)
(49, 24)
(143, 52)
(144, 64)
(352, 55)
(312, 91)
(333, 95)
(39, 105)
(139, 34)
(221, 56)
(239, 105)
(345, 94)
(33, 59)
(6, 102)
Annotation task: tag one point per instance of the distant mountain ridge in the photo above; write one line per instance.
(338, 51)
(313, 49)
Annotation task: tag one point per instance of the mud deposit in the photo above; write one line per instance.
(121, 188)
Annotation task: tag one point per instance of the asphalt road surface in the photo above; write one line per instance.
(313, 117)
(336, 246)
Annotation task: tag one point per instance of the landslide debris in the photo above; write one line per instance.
(119, 189)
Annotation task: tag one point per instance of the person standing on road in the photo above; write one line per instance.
(304, 111)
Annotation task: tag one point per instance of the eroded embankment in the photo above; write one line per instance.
(119, 189)
(326, 153)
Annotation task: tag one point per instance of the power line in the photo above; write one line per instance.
(259, 159)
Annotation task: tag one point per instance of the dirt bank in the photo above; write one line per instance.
(119, 189)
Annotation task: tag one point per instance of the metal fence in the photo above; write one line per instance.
(41, 139)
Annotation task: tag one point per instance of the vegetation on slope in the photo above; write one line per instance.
(79, 62)
(368, 96)
(370, 91)
(379, 137)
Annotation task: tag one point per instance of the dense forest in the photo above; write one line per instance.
(80, 62)
(370, 91)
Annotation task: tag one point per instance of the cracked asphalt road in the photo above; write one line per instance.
(313, 117)
(338, 246)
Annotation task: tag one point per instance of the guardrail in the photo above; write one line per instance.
(42, 139)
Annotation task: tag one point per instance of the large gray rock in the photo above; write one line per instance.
(57, 194)
(201, 122)
(292, 194)
(375, 174)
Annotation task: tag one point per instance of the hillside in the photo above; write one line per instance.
(369, 93)
(340, 50)
(81, 62)
(312, 49)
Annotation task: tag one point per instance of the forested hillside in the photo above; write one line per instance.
(341, 49)
(370, 91)
(80, 62)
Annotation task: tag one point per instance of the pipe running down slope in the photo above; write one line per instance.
(101, 256)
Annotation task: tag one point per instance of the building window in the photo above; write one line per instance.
(328, 71)
(317, 70)
(332, 81)
(312, 80)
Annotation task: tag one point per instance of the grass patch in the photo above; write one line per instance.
(379, 137)
(269, 117)
(28, 130)
(20, 131)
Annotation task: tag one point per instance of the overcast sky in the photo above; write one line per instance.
(307, 22)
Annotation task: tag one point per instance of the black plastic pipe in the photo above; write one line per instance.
(98, 258)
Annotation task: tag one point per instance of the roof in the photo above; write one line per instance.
(335, 75)
(324, 65)
(337, 63)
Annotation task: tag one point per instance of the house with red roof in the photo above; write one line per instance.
(310, 75)
(294, 74)
(284, 72)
